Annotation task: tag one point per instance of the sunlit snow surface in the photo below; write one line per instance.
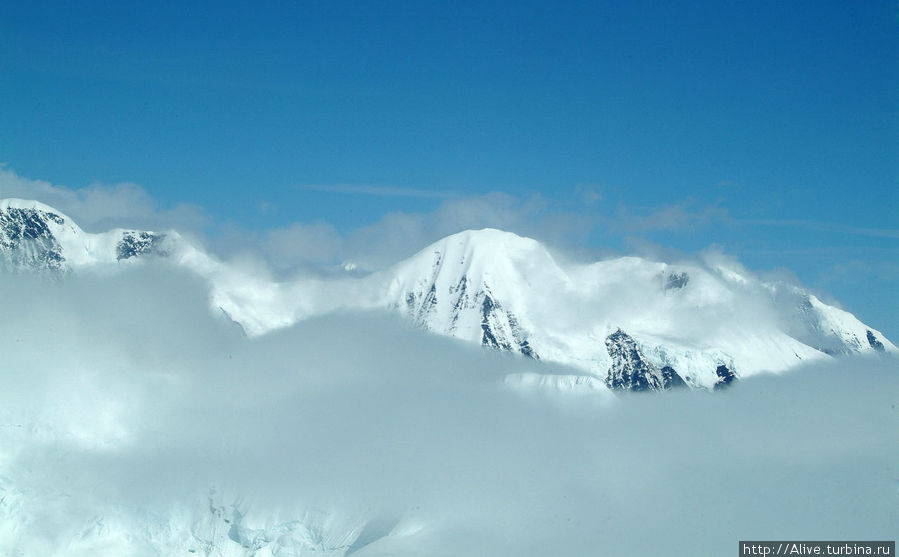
(135, 422)
(498, 289)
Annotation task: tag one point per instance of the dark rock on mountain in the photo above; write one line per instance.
(135, 243)
(26, 242)
(631, 371)
(872, 340)
(725, 377)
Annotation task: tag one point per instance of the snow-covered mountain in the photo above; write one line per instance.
(476, 285)
(34, 236)
(632, 323)
(638, 324)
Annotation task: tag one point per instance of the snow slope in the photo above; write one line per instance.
(34, 235)
(501, 290)
(633, 323)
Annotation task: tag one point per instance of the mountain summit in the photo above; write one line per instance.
(475, 285)
(34, 236)
(633, 323)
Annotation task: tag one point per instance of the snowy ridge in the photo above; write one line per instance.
(37, 236)
(632, 323)
(830, 329)
(636, 324)
(472, 285)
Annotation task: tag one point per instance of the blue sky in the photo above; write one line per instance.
(770, 129)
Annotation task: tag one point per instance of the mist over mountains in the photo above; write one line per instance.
(306, 279)
(471, 399)
(136, 421)
(634, 323)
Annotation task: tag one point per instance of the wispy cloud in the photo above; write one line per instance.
(687, 215)
(102, 206)
(357, 428)
(398, 234)
(381, 191)
(823, 226)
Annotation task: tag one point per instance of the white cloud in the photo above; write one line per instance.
(398, 235)
(300, 244)
(585, 230)
(139, 424)
(684, 216)
(98, 207)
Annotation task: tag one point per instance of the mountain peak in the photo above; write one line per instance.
(16, 203)
(471, 285)
(488, 242)
(685, 324)
(36, 236)
(485, 252)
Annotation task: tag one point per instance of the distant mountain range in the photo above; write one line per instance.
(629, 323)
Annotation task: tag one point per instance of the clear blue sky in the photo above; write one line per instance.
(782, 116)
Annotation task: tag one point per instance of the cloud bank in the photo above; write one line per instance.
(134, 422)
(99, 207)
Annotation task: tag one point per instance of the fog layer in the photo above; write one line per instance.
(132, 422)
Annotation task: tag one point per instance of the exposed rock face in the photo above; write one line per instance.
(135, 242)
(464, 289)
(500, 328)
(671, 379)
(35, 237)
(676, 281)
(725, 377)
(631, 371)
(26, 241)
(506, 292)
(872, 340)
